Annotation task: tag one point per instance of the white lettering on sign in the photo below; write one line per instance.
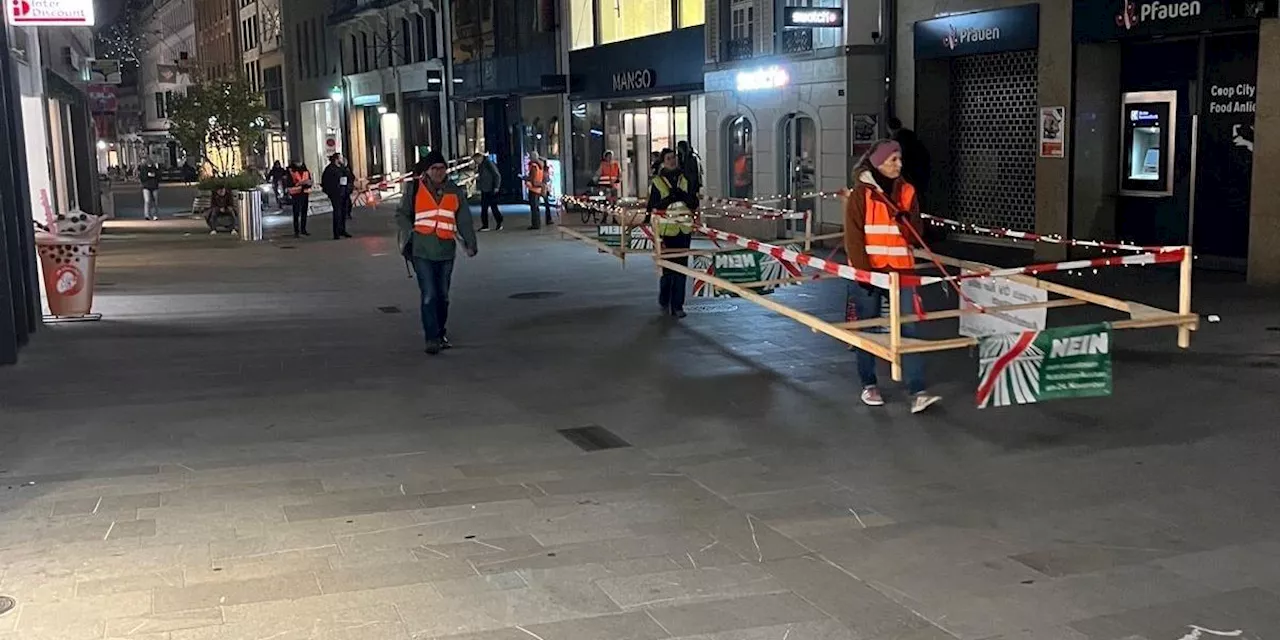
(958, 37)
(1233, 99)
(633, 80)
(1093, 345)
(767, 78)
(815, 17)
(50, 13)
(735, 260)
(1134, 13)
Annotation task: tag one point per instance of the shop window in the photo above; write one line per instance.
(693, 12)
(741, 44)
(582, 13)
(627, 19)
(406, 42)
(798, 175)
(587, 129)
(739, 150)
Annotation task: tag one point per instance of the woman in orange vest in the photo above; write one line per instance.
(536, 181)
(299, 181)
(881, 223)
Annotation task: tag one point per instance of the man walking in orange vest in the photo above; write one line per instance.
(434, 216)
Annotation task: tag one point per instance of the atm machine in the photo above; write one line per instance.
(1149, 120)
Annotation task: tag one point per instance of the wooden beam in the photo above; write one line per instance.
(956, 313)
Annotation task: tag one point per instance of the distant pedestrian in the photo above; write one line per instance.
(690, 166)
(916, 167)
(488, 181)
(278, 176)
(300, 192)
(336, 182)
(536, 182)
(655, 163)
(672, 197)
(149, 176)
(881, 224)
(433, 216)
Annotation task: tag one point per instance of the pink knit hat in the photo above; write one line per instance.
(883, 151)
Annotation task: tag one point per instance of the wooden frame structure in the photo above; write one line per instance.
(892, 345)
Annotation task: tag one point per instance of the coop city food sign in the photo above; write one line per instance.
(50, 13)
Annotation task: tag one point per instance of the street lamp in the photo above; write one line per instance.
(102, 145)
(335, 94)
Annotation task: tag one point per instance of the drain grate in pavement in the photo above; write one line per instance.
(7, 604)
(287, 246)
(594, 438)
(389, 309)
(711, 307)
(536, 295)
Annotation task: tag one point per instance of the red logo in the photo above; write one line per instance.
(68, 280)
(21, 8)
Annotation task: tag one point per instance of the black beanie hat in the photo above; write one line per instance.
(433, 158)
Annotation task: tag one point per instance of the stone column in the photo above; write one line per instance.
(1053, 175)
(1264, 207)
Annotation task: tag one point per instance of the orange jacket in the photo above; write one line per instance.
(610, 173)
(431, 218)
(299, 177)
(536, 178)
(875, 233)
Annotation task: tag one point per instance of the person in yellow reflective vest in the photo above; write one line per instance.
(671, 197)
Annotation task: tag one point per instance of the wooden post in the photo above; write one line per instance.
(895, 323)
(808, 231)
(1184, 297)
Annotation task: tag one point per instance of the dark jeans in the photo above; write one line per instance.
(300, 203)
(489, 200)
(223, 219)
(672, 285)
(434, 277)
(534, 198)
(867, 303)
(341, 207)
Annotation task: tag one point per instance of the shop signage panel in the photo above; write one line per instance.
(813, 17)
(965, 34)
(661, 64)
(1036, 366)
(634, 80)
(51, 13)
(1224, 157)
(1096, 20)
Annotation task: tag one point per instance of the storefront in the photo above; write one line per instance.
(1169, 91)
(977, 97)
(634, 98)
(781, 130)
(321, 131)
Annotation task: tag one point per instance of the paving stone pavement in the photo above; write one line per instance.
(249, 448)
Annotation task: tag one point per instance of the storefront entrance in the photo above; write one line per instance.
(799, 174)
(635, 131)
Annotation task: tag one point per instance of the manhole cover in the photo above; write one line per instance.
(287, 246)
(390, 309)
(715, 307)
(594, 438)
(7, 604)
(536, 295)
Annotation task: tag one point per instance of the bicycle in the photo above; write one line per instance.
(601, 196)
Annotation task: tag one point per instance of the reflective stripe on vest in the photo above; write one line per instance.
(431, 218)
(886, 247)
(677, 224)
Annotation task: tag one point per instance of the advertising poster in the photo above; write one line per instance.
(1036, 366)
(1053, 142)
(1224, 167)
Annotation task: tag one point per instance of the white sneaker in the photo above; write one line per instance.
(922, 401)
(871, 397)
(214, 232)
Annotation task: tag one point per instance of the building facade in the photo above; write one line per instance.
(313, 96)
(1134, 120)
(794, 94)
(508, 85)
(165, 69)
(393, 83)
(264, 70)
(218, 37)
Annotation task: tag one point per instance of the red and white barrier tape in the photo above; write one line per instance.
(1175, 254)
(758, 212)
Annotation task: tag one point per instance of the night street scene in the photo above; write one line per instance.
(640, 320)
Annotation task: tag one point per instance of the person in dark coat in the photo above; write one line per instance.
(690, 166)
(336, 182)
(488, 181)
(915, 158)
(278, 175)
(149, 176)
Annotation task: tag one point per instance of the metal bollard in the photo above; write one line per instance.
(249, 216)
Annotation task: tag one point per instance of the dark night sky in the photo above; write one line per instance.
(107, 10)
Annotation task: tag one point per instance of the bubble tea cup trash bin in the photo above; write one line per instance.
(68, 256)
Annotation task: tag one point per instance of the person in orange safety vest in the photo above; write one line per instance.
(299, 181)
(881, 224)
(536, 181)
(609, 175)
(433, 218)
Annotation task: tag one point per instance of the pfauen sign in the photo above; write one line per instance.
(1095, 20)
(964, 34)
(633, 80)
(50, 13)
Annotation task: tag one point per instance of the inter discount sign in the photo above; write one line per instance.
(47, 13)
(1034, 366)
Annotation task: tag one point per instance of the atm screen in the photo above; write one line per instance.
(1148, 127)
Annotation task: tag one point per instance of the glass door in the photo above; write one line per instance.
(799, 176)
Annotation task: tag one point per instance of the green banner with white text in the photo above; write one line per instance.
(1035, 366)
